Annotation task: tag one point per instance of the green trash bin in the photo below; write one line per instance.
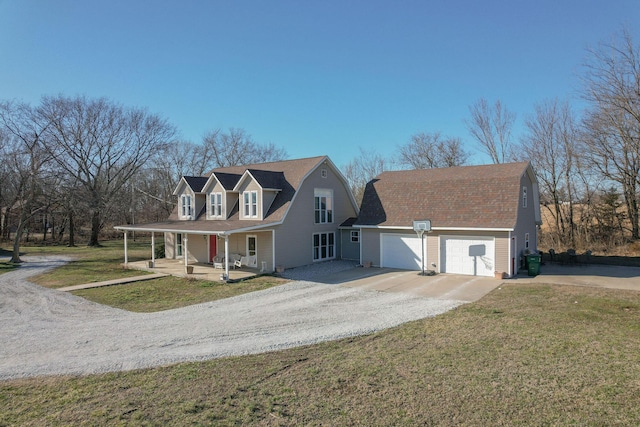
(533, 264)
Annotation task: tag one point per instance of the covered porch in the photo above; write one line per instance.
(201, 271)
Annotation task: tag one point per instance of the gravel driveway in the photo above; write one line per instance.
(48, 332)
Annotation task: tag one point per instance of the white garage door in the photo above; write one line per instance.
(467, 255)
(401, 251)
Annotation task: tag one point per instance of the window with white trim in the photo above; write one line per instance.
(526, 240)
(250, 204)
(324, 246)
(323, 206)
(215, 200)
(524, 197)
(187, 207)
(355, 236)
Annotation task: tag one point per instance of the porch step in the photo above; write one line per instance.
(113, 282)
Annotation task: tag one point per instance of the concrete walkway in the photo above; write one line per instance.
(120, 281)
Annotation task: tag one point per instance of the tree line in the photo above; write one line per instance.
(77, 165)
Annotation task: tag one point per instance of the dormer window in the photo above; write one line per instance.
(250, 204)
(187, 206)
(215, 209)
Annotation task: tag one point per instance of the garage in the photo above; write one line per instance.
(473, 256)
(401, 251)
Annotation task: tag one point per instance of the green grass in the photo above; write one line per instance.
(172, 292)
(90, 264)
(6, 266)
(522, 355)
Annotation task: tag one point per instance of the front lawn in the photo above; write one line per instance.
(522, 355)
(172, 292)
(90, 264)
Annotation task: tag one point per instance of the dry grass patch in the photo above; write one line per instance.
(523, 355)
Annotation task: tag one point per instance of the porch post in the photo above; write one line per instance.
(226, 256)
(126, 257)
(153, 248)
(185, 249)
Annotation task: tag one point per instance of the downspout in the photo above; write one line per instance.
(509, 259)
(273, 250)
(153, 249)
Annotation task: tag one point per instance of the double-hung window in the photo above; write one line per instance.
(324, 246)
(323, 206)
(216, 205)
(250, 204)
(187, 208)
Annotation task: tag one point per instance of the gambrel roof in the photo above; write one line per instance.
(485, 196)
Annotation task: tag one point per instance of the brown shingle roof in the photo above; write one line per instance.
(484, 196)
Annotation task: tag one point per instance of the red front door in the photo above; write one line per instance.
(213, 247)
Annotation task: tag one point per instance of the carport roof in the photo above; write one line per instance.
(485, 196)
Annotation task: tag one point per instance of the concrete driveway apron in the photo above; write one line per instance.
(441, 286)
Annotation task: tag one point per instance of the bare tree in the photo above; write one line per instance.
(550, 143)
(611, 84)
(27, 160)
(491, 127)
(101, 145)
(432, 150)
(237, 148)
(362, 169)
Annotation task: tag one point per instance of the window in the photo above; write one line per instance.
(323, 173)
(251, 245)
(526, 240)
(355, 236)
(524, 197)
(216, 204)
(324, 246)
(179, 244)
(323, 201)
(187, 209)
(250, 204)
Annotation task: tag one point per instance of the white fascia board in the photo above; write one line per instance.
(182, 181)
(470, 229)
(206, 187)
(384, 227)
(246, 173)
(198, 232)
(166, 230)
(389, 227)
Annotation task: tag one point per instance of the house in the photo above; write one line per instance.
(288, 213)
(483, 218)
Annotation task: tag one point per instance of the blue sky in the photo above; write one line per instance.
(315, 77)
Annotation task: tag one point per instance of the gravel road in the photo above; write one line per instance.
(48, 332)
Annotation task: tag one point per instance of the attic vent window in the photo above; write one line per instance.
(323, 173)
